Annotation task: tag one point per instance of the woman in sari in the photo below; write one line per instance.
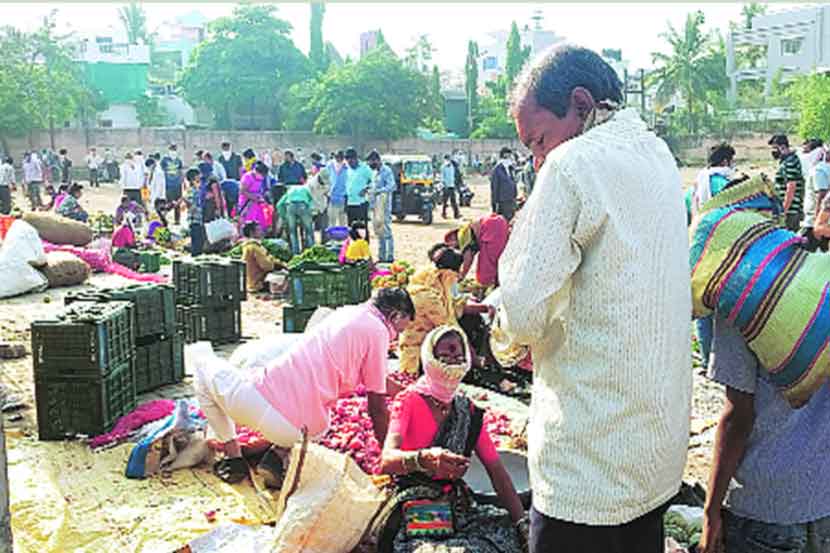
(433, 431)
(486, 238)
(252, 202)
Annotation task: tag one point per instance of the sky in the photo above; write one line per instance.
(634, 27)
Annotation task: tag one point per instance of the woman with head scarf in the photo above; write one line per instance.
(433, 432)
(485, 238)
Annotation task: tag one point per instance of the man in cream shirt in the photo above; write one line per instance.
(595, 279)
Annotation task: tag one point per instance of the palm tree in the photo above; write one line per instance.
(134, 20)
(693, 69)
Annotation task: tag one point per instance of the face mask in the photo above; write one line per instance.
(775, 154)
(226, 154)
(174, 154)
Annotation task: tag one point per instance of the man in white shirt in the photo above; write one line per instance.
(816, 187)
(132, 179)
(595, 280)
(156, 182)
(93, 163)
(33, 179)
(138, 157)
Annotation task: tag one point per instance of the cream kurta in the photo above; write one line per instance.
(595, 279)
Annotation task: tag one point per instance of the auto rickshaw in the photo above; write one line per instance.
(415, 192)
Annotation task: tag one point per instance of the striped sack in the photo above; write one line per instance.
(753, 273)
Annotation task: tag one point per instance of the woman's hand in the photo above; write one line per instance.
(444, 464)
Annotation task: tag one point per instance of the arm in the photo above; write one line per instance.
(733, 433)
(822, 225)
(505, 490)
(379, 415)
(788, 199)
(820, 195)
(469, 256)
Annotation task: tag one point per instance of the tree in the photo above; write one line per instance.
(150, 113)
(419, 55)
(694, 69)
(810, 96)
(317, 50)
(377, 97)
(471, 84)
(245, 68)
(495, 121)
(134, 19)
(516, 55)
(435, 93)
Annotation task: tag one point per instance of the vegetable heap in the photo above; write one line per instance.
(101, 222)
(683, 532)
(314, 255)
(401, 271)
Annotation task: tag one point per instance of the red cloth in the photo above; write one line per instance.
(492, 239)
(412, 419)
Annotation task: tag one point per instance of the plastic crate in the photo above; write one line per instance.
(216, 324)
(357, 281)
(154, 305)
(295, 320)
(158, 363)
(209, 280)
(150, 262)
(68, 406)
(325, 286)
(85, 340)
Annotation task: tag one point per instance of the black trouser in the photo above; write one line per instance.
(506, 209)
(641, 535)
(321, 223)
(93, 177)
(793, 221)
(135, 195)
(358, 213)
(814, 242)
(197, 239)
(5, 200)
(451, 195)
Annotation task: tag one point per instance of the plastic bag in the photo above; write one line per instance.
(20, 252)
(220, 229)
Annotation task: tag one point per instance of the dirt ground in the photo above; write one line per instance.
(262, 316)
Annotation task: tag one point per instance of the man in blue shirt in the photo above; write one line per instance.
(172, 167)
(339, 172)
(382, 212)
(291, 171)
(769, 489)
(357, 188)
(448, 181)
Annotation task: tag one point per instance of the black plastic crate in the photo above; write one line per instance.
(69, 405)
(295, 320)
(158, 363)
(209, 281)
(87, 339)
(154, 305)
(216, 324)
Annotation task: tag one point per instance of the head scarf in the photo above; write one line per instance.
(465, 236)
(440, 380)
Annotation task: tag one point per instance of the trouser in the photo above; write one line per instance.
(5, 200)
(337, 216)
(230, 202)
(93, 177)
(386, 242)
(300, 221)
(321, 223)
(814, 242)
(174, 194)
(641, 535)
(135, 195)
(793, 221)
(197, 239)
(33, 192)
(506, 209)
(227, 399)
(704, 338)
(451, 195)
(743, 535)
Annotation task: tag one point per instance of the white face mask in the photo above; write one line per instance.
(226, 154)
(174, 154)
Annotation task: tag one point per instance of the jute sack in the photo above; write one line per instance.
(65, 269)
(327, 503)
(59, 230)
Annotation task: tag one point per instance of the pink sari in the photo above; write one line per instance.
(252, 210)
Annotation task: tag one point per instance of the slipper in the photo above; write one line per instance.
(231, 470)
(272, 469)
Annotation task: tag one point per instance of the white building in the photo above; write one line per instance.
(493, 50)
(796, 42)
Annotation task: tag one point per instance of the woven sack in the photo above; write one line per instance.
(59, 230)
(65, 269)
(756, 275)
(327, 503)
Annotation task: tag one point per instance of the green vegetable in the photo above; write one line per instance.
(276, 250)
(314, 255)
(682, 532)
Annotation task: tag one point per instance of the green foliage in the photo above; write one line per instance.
(419, 55)
(246, 67)
(811, 97)
(377, 97)
(317, 50)
(495, 119)
(436, 97)
(134, 19)
(471, 84)
(150, 113)
(684, 533)
(300, 111)
(516, 55)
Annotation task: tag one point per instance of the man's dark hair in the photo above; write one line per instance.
(720, 153)
(449, 258)
(434, 249)
(198, 153)
(249, 229)
(351, 153)
(226, 144)
(249, 153)
(124, 199)
(261, 168)
(446, 156)
(63, 188)
(504, 152)
(149, 162)
(373, 155)
(779, 140)
(391, 300)
(340, 154)
(316, 157)
(62, 151)
(287, 153)
(172, 147)
(557, 72)
(75, 188)
(9, 160)
(192, 173)
(207, 156)
(157, 156)
(138, 153)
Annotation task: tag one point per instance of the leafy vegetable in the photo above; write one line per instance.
(314, 255)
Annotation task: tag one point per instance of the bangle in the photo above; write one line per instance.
(410, 462)
(418, 465)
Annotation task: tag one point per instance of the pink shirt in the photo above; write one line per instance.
(412, 418)
(347, 349)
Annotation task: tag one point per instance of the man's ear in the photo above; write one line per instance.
(582, 101)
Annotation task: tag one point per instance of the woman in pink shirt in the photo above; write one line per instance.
(349, 348)
(432, 433)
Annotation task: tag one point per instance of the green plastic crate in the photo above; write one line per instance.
(357, 281)
(154, 305)
(295, 320)
(217, 324)
(69, 406)
(150, 262)
(325, 286)
(209, 280)
(159, 363)
(87, 339)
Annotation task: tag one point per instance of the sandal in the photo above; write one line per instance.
(272, 469)
(231, 470)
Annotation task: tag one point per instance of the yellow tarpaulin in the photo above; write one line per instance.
(66, 498)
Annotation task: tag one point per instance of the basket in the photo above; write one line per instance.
(68, 405)
(158, 363)
(86, 340)
(295, 320)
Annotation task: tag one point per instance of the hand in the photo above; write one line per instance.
(711, 539)
(491, 312)
(444, 464)
(523, 529)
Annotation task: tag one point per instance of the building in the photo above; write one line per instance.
(119, 72)
(368, 42)
(792, 42)
(456, 118)
(176, 41)
(492, 59)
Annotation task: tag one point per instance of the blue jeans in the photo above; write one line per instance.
(704, 337)
(300, 219)
(743, 535)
